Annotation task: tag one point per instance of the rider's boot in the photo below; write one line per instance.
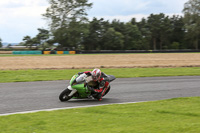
(100, 95)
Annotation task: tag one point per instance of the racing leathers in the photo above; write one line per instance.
(98, 87)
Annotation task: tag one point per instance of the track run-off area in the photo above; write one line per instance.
(25, 97)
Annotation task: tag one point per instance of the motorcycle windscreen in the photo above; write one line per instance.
(111, 78)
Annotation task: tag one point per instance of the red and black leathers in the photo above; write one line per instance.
(100, 86)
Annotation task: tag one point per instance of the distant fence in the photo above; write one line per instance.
(98, 51)
(5, 52)
(43, 52)
(58, 52)
(27, 52)
(133, 51)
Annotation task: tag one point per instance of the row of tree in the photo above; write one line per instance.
(69, 28)
(1, 43)
(158, 31)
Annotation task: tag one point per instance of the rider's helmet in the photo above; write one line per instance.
(96, 74)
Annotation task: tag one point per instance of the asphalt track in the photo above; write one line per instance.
(30, 96)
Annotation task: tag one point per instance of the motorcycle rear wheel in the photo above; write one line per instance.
(64, 95)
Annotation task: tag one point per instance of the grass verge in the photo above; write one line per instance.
(45, 75)
(178, 115)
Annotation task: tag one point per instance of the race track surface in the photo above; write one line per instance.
(28, 96)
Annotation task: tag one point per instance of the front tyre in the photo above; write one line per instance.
(64, 96)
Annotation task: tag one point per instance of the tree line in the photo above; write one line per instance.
(1, 43)
(70, 28)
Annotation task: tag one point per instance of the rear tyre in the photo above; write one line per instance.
(64, 95)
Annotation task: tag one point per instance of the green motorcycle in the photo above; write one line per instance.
(80, 90)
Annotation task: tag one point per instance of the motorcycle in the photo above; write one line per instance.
(80, 90)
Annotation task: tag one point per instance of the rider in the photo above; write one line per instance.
(96, 80)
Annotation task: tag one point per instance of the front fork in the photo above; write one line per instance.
(73, 91)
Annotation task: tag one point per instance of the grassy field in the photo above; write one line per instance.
(179, 115)
(66, 74)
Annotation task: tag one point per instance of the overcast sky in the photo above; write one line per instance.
(19, 18)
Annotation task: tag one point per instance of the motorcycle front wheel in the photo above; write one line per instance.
(64, 95)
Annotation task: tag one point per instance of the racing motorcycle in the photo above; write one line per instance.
(81, 90)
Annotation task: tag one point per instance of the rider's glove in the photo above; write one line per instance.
(79, 73)
(90, 88)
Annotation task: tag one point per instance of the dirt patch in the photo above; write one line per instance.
(100, 61)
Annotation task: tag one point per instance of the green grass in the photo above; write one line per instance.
(178, 115)
(45, 75)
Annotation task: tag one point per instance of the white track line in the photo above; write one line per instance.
(54, 109)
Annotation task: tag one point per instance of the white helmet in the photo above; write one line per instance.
(96, 74)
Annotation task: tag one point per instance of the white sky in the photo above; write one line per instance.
(19, 18)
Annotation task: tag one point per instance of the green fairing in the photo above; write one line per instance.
(83, 91)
